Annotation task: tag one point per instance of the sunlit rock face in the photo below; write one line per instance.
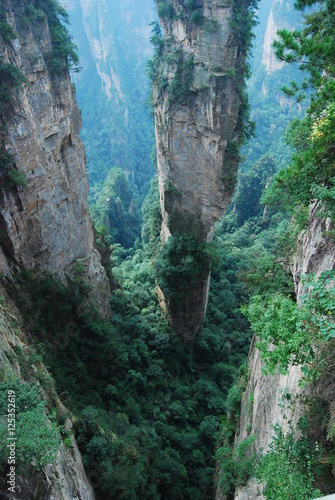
(197, 104)
(315, 254)
(46, 223)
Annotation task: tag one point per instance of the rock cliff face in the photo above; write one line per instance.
(112, 89)
(46, 223)
(103, 27)
(282, 16)
(65, 478)
(269, 59)
(316, 254)
(198, 128)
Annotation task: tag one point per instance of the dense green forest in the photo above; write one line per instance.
(153, 414)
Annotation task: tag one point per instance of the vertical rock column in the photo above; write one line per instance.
(47, 222)
(197, 95)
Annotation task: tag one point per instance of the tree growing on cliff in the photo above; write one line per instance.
(311, 174)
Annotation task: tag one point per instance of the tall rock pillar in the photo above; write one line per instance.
(198, 97)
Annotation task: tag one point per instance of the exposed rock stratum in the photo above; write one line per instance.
(198, 123)
(46, 223)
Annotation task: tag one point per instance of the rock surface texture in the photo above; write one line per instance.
(46, 223)
(65, 478)
(316, 254)
(198, 127)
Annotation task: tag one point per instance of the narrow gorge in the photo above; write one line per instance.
(167, 255)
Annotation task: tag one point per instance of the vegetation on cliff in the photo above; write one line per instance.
(286, 333)
(63, 55)
(147, 406)
(11, 80)
(311, 173)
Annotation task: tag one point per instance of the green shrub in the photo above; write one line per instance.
(10, 176)
(64, 54)
(289, 333)
(236, 465)
(191, 4)
(17, 178)
(165, 10)
(37, 435)
(289, 467)
(197, 18)
(212, 25)
(233, 149)
(310, 175)
(179, 88)
(181, 263)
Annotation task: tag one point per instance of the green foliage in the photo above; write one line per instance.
(197, 18)
(147, 406)
(158, 43)
(64, 54)
(179, 87)
(114, 209)
(37, 434)
(117, 131)
(289, 467)
(310, 175)
(319, 299)
(212, 25)
(16, 178)
(269, 109)
(170, 188)
(6, 32)
(288, 333)
(152, 217)
(242, 23)
(9, 175)
(236, 465)
(250, 188)
(234, 397)
(11, 79)
(49, 308)
(165, 10)
(191, 4)
(233, 149)
(181, 263)
(282, 329)
(268, 277)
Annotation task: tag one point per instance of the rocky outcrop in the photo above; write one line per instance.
(46, 223)
(282, 15)
(197, 104)
(65, 478)
(269, 59)
(104, 27)
(316, 248)
(316, 254)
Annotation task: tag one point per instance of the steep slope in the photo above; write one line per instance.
(45, 225)
(45, 222)
(21, 370)
(268, 393)
(287, 417)
(199, 104)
